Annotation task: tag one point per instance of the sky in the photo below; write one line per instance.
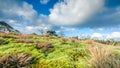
(95, 18)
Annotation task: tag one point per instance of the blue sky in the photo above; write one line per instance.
(97, 18)
(42, 8)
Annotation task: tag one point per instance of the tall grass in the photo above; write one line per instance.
(102, 57)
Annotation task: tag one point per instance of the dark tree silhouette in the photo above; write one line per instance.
(52, 33)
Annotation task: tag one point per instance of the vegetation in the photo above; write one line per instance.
(49, 51)
(15, 60)
(102, 57)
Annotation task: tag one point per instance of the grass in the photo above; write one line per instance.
(61, 52)
(15, 60)
(103, 57)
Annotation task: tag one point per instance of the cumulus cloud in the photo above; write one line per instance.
(72, 12)
(22, 16)
(44, 1)
(17, 10)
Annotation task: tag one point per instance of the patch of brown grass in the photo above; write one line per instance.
(7, 35)
(25, 36)
(15, 60)
(44, 46)
(89, 41)
(47, 35)
(64, 40)
(12, 33)
(75, 40)
(23, 41)
(53, 37)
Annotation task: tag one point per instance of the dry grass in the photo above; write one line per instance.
(25, 36)
(53, 37)
(102, 57)
(23, 41)
(12, 33)
(15, 60)
(76, 41)
(47, 35)
(89, 41)
(8, 35)
(64, 40)
(44, 46)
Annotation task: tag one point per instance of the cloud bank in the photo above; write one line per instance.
(73, 12)
(113, 35)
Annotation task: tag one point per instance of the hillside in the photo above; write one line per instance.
(45, 51)
(4, 27)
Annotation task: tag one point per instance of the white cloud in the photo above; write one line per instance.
(26, 11)
(23, 17)
(44, 1)
(97, 35)
(72, 12)
(113, 35)
(12, 21)
(100, 29)
(34, 29)
(18, 11)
